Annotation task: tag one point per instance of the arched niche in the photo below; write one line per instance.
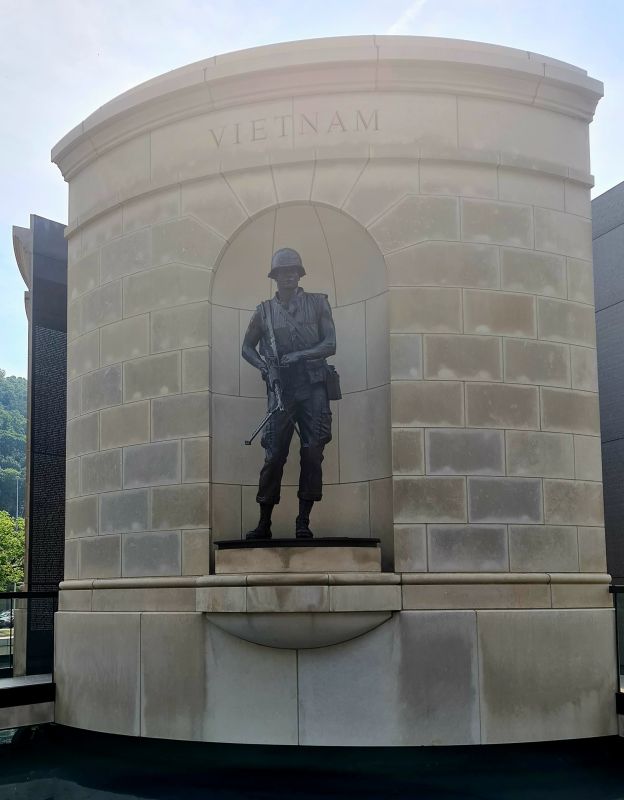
(342, 261)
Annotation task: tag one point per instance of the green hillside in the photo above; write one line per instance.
(13, 393)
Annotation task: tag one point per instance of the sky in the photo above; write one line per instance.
(62, 59)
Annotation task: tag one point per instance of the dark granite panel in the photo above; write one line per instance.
(613, 479)
(610, 342)
(609, 268)
(608, 210)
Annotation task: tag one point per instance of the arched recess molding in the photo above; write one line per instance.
(342, 261)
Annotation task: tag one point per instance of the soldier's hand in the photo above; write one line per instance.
(289, 358)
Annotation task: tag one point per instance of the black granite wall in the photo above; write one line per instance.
(608, 233)
(46, 530)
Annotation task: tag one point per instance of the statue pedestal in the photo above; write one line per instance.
(242, 557)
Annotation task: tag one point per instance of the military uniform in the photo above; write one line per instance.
(305, 324)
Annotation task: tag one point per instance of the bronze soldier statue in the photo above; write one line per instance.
(295, 334)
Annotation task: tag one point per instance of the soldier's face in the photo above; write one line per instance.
(287, 278)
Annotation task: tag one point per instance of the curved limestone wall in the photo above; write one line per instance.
(439, 194)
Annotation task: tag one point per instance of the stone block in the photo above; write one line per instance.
(126, 255)
(297, 560)
(571, 697)
(226, 511)
(476, 596)
(124, 340)
(280, 599)
(444, 264)
(196, 369)
(293, 181)
(577, 199)
(71, 559)
(195, 552)
(580, 281)
(101, 306)
(465, 452)
(584, 369)
(173, 709)
(573, 503)
(145, 599)
(232, 462)
(570, 411)
(587, 458)
(364, 435)
(195, 460)
(408, 451)
(496, 223)
(379, 187)
(492, 405)
(365, 598)
(149, 209)
(427, 403)
(152, 376)
(181, 415)
(543, 548)
(530, 187)
(416, 218)
(151, 464)
(435, 499)
(180, 507)
(121, 512)
(213, 202)
(469, 358)
(125, 425)
(499, 314)
(377, 340)
(75, 600)
(563, 321)
(104, 228)
(185, 241)
(402, 698)
(83, 435)
(83, 354)
(72, 477)
(592, 552)
(163, 287)
(101, 472)
(410, 548)
(581, 595)
(97, 658)
(222, 599)
(151, 553)
(226, 348)
(74, 398)
(100, 557)
(235, 710)
(81, 517)
(545, 455)
(406, 356)
(255, 190)
(467, 548)
(557, 232)
(457, 178)
(425, 310)
(83, 275)
(350, 359)
(533, 272)
(538, 363)
(102, 388)
(505, 500)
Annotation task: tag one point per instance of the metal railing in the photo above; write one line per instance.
(27, 632)
(617, 589)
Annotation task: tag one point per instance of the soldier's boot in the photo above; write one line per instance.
(263, 528)
(302, 523)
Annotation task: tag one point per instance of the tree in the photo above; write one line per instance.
(11, 551)
(13, 399)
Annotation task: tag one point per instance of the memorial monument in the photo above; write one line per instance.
(437, 191)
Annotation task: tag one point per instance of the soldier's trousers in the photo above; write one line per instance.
(313, 417)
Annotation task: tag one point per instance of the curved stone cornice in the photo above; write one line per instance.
(334, 65)
(22, 247)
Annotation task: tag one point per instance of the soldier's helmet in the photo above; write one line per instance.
(286, 257)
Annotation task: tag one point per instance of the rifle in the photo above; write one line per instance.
(273, 379)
